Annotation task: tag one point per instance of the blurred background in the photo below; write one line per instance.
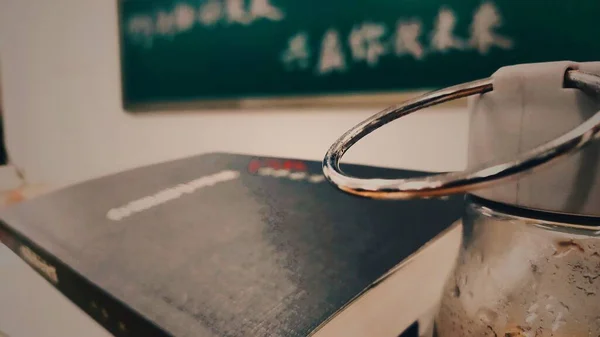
(94, 87)
(89, 88)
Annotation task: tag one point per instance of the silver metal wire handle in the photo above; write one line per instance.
(458, 182)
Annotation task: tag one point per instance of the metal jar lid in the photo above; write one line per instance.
(530, 106)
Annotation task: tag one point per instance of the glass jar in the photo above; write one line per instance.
(529, 263)
(523, 273)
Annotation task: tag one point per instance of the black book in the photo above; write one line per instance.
(225, 245)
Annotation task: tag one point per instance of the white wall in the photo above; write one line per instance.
(60, 76)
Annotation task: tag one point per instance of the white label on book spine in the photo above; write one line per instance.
(39, 264)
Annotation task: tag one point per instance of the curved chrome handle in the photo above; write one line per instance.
(457, 182)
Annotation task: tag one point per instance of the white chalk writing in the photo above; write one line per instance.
(185, 17)
(141, 30)
(332, 56)
(365, 42)
(210, 13)
(368, 42)
(442, 38)
(144, 28)
(263, 9)
(407, 39)
(236, 13)
(165, 24)
(485, 22)
(336, 50)
(298, 52)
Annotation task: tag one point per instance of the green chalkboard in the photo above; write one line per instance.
(191, 50)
